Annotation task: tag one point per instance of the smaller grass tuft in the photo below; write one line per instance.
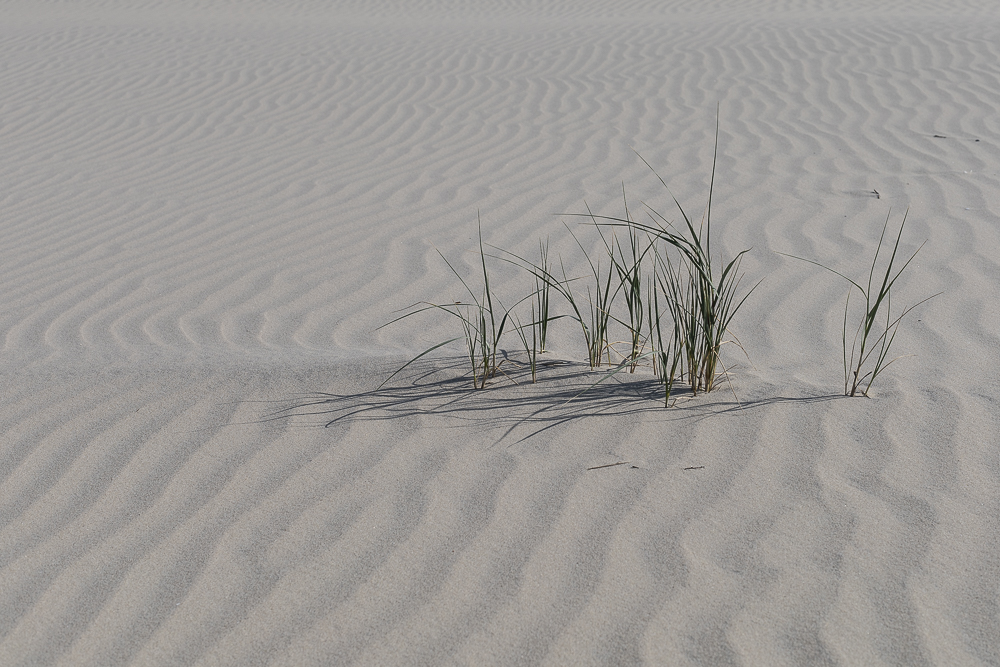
(480, 330)
(869, 349)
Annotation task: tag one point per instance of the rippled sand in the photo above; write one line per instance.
(209, 208)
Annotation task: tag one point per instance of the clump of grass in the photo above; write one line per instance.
(480, 330)
(704, 301)
(593, 315)
(869, 350)
(681, 309)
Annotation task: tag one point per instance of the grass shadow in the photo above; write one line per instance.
(567, 391)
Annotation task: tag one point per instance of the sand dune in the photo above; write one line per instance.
(209, 208)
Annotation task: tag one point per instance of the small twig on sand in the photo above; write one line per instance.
(609, 465)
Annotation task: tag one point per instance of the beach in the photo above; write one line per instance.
(209, 210)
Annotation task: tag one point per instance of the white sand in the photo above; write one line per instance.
(207, 208)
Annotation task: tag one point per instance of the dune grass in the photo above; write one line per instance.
(635, 293)
(703, 301)
(530, 349)
(657, 284)
(673, 312)
(661, 286)
(543, 291)
(478, 319)
(598, 305)
(667, 352)
(592, 313)
(869, 349)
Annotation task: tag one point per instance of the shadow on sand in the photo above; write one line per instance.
(565, 391)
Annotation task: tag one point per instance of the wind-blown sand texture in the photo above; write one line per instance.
(208, 208)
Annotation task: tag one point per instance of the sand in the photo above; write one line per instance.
(208, 208)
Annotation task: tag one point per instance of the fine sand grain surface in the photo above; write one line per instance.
(207, 208)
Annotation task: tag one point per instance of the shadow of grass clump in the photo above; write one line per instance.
(569, 392)
(516, 407)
